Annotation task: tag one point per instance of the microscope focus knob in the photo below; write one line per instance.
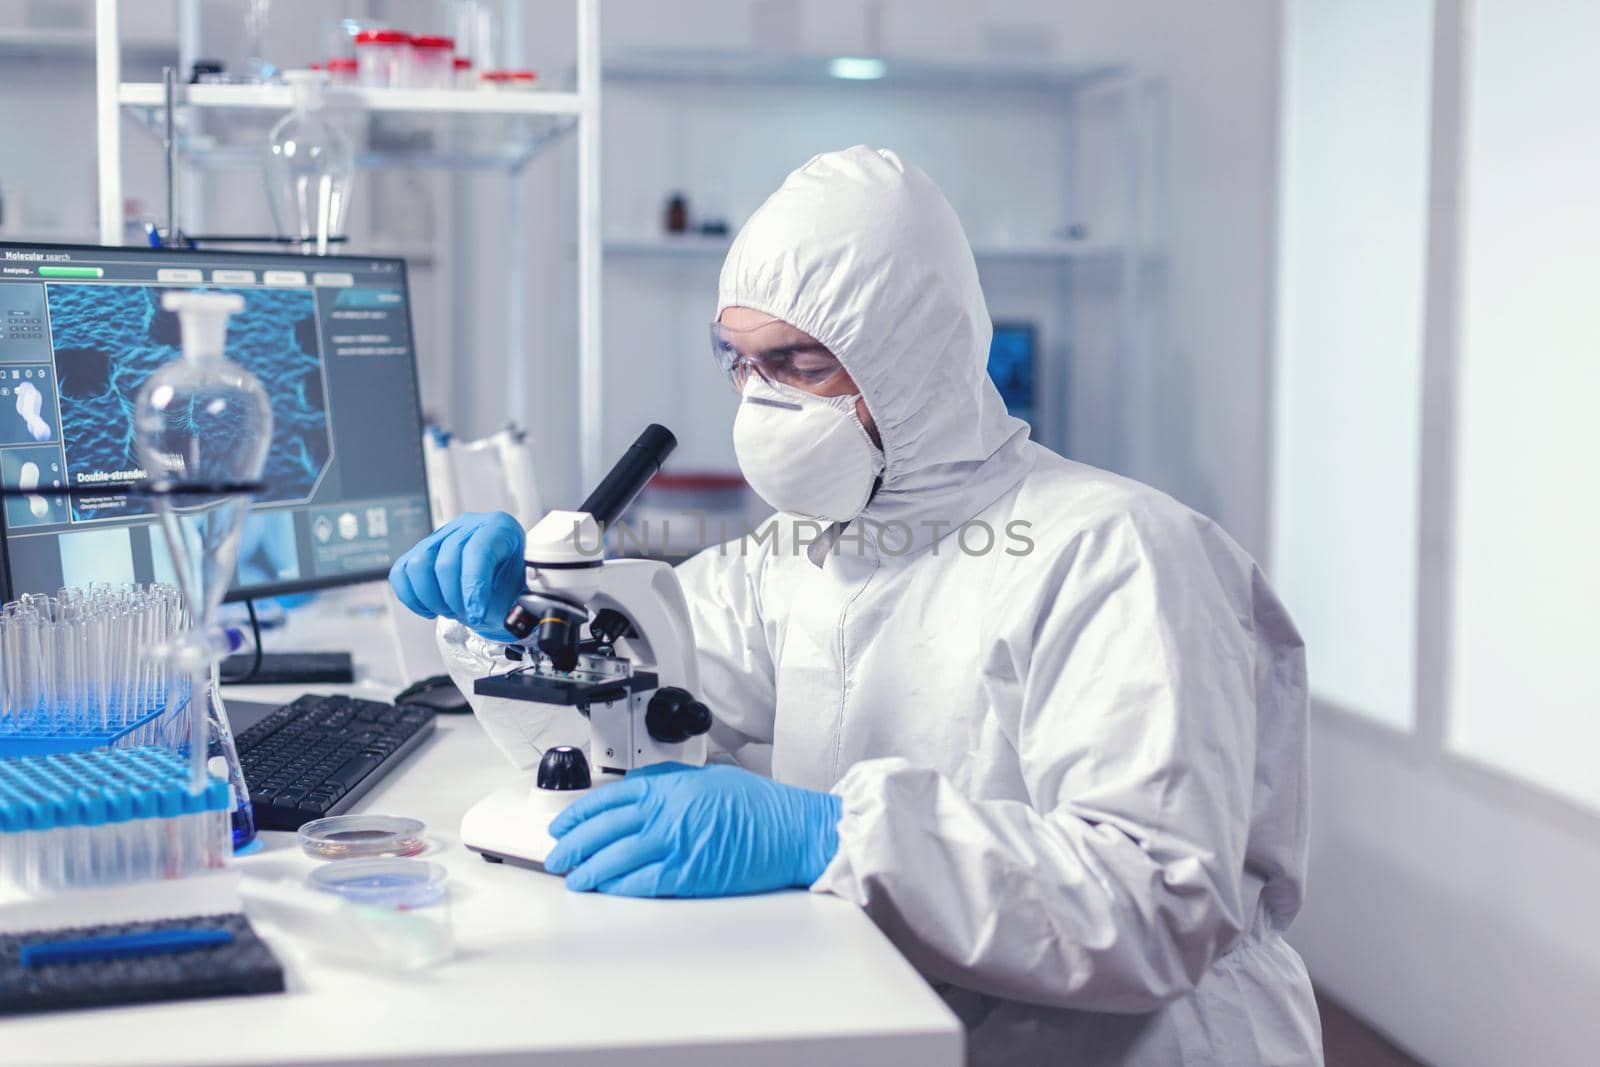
(608, 626)
(563, 768)
(520, 622)
(674, 716)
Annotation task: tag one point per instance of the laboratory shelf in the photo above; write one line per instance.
(687, 244)
(223, 127)
(745, 67)
(422, 101)
(1046, 250)
(699, 245)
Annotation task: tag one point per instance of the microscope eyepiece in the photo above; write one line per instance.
(636, 467)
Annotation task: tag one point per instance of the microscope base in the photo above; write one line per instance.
(511, 824)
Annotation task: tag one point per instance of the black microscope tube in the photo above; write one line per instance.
(636, 467)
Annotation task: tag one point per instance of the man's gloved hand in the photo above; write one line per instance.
(669, 830)
(470, 569)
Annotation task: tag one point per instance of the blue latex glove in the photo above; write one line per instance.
(470, 569)
(669, 830)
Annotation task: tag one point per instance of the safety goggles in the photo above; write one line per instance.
(806, 365)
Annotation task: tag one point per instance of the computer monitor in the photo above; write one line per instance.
(1013, 364)
(329, 338)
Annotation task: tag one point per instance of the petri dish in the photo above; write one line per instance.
(383, 883)
(345, 837)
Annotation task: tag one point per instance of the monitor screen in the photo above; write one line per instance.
(329, 338)
(1013, 366)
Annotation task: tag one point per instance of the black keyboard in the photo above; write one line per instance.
(319, 755)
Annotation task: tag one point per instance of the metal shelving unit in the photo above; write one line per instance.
(219, 127)
(454, 129)
(750, 67)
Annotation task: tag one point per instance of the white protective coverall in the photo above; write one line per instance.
(1073, 774)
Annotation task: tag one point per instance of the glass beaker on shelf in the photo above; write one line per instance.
(309, 165)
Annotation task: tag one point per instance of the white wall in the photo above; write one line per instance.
(1200, 413)
(1451, 909)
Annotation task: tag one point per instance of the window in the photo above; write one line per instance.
(1347, 403)
(1525, 691)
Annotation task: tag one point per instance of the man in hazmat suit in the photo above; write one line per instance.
(1044, 724)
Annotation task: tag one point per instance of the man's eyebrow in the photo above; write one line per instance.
(799, 347)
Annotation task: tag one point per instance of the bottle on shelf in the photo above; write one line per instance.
(432, 62)
(384, 57)
(677, 220)
(309, 164)
(342, 71)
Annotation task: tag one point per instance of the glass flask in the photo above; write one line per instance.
(309, 163)
(202, 426)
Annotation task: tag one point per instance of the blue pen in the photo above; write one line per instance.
(123, 946)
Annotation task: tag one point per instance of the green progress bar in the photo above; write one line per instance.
(71, 272)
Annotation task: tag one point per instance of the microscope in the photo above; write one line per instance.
(632, 675)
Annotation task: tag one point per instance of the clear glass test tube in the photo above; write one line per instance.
(29, 673)
(69, 671)
(8, 673)
(49, 670)
(102, 670)
(127, 655)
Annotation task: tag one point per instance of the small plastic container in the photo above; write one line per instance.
(398, 906)
(383, 883)
(433, 62)
(349, 837)
(509, 80)
(342, 71)
(383, 58)
(466, 77)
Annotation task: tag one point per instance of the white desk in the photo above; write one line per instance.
(541, 975)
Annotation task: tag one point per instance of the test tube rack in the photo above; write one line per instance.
(107, 817)
(161, 725)
(83, 669)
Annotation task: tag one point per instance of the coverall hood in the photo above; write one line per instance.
(861, 251)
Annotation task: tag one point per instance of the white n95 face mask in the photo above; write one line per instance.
(807, 455)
